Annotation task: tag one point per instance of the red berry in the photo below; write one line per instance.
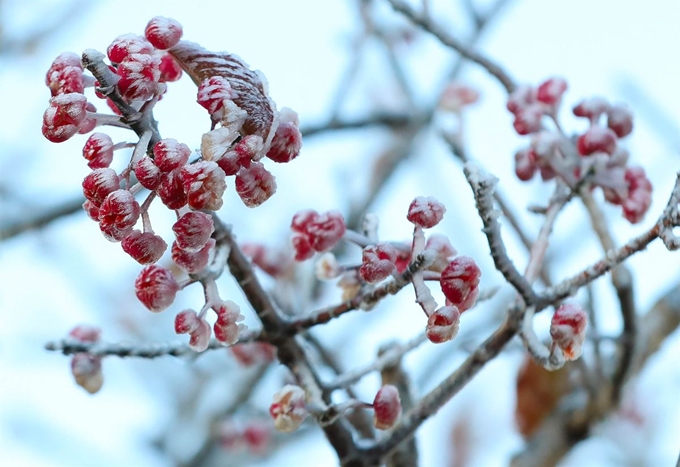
(65, 75)
(377, 262)
(118, 214)
(303, 249)
(227, 325)
(170, 69)
(169, 154)
(596, 139)
(163, 32)
(63, 117)
(425, 212)
(287, 140)
(568, 329)
(442, 325)
(98, 150)
(250, 353)
(193, 230)
(639, 195)
(148, 175)
(126, 45)
(288, 408)
(171, 189)
(145, 248)
(441, 245)
(255, 184)
(620, 120)
(520, 98)
(91, 209)
(85, 333)
(460, 282)
(387, 407)
(192, 262)
(204, 184)
(188, 322)
(528, 119)
(156, 287)
(550, 91)
(525, 168)
(326, 230)
(212, 93)
(591, 108)
(139, 77)
(98, 184)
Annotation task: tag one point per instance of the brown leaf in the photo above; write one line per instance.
(538, 392)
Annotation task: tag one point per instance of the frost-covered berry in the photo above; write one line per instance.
(456, 96)
(118, 214)
(63, 117)
(162, 32)
(620, 120)
(551, 90)
(188, 322)
(98, 150)
(521, 98)
(170, 154)
(596, 139)
(591, 108)
(460, 282)
(170, 69)
(139, 77)
(250, 353)
(241, 154)
(302, 247)
(568, 329)
(386, 407)
(126, 45)
(87, 371)
(171, 189)
(85, 333)
(445, 252)
(254, 184)
(639, 195)
(212, 93)
(227, 326)
(377, 262)
(204, 185)
(288, 408)
(525, 166)
(321, 232)
(442, 325)
(528, 119)
(145, 248)
(91, 209)
(425, 212)
(148, 175)
(287, 140)
(273, 261)
(98, 184)
(327, 267)
(192, 261)
(65, 75)
(156, 287)
(193, 230)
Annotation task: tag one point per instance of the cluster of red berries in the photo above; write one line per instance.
(235, 99)
(595, 154)
(458, 276)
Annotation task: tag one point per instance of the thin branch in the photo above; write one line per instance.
(388, 358)
(43, 219)
(144, 350)
(366, 300)
(482, 187)
(448, 40)
(390, 120)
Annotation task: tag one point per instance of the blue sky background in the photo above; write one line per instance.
(67, 273)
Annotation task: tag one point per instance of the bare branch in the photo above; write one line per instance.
(445, 38)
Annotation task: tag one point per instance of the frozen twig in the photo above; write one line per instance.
(42, 219)
(482, 187)
(139, 350)
(448, 40)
